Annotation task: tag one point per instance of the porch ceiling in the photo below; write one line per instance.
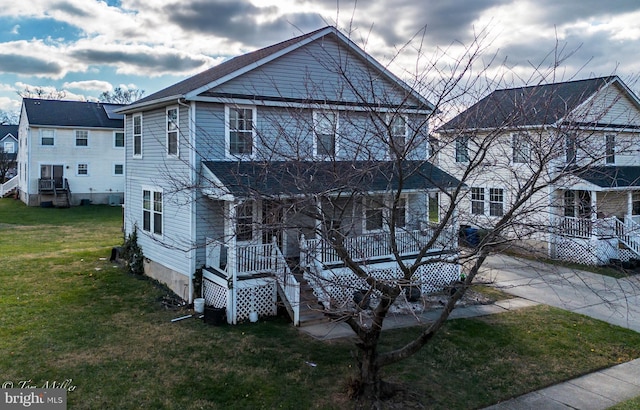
(243, 179)
(610, 177)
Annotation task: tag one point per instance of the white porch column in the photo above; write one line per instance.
(629, 206)
(594, 214)
(231, 260)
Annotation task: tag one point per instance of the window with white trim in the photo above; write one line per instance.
(47, 137)
(240, 130)
(610, 149)
(152, 211)
(82, 138)
(118, 139)
(118, 169)
(325, 131)
(9, 147)
(521, 148)
(244, 221)
(477, 201)
(401, 213)
(462, 149)
(373, 213)
(82, 170)
(137, 136)
(398, 135)
(496, 201)
(172, 131)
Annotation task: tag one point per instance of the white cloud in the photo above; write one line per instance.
(89, 85)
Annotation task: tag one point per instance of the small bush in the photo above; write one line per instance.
(132, 254)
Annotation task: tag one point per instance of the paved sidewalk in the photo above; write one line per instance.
(616, 301)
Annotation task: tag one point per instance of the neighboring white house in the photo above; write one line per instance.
(8, 150)
(236, 170)
(70, 152)
(587, 132)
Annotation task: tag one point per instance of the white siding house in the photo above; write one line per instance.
(70, 152)
(236, 170)
(583, 138)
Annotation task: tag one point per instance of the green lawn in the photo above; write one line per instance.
(69, 313)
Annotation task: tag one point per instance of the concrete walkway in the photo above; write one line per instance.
(616, 301)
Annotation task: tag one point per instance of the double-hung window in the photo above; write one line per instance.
(137, 135)
(398, 135)
(521, 148)
(9, 147)
(325, 127)
(82, 170)
(477, 201)
(152, 211)
(240, 129)
(244, 221)
(47, 137)
(373, 214)
(172, 131)
(610, 149)
(496, 202)
(118, 169)
(462, 149)
(571, 147)
(82, 138)
(118, 139)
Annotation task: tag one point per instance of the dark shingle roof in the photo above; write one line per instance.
(223, 69)
(289, 178)
(8, 129)
(62, 113)
(611, 177)
(527, 106)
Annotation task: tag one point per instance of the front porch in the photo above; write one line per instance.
(251, 280)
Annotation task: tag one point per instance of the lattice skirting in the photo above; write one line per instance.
(260, 296)
(587, 251)
(433, 277)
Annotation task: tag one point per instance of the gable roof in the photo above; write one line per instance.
(61, 113)
(536, 105)
(291, 178)
(192, 86)
(8, 130)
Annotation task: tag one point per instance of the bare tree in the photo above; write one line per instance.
(369, 239)
(121, 95)
(46, 93)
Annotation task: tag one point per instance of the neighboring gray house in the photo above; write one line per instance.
(70, 152)
(237, 169)
(587, 131)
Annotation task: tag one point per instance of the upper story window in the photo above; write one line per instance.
(9, 147)
(325, 130)
(521, 148)
(137, 135)
(571, 148)
(47, 137)
(118, 139)
(172, 131)
(462, 149)
(240, 130)
(152, 211)
(82, 138)
(398, 135)
(610, 149)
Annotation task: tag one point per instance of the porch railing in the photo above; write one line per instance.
(629, 234)
(378, 245)
(587, 228)
(8, 186)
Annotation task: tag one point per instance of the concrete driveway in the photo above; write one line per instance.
(616, 301)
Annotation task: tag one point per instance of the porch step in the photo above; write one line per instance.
(311, 311)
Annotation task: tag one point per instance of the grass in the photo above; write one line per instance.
(632, 404)
(69, 313)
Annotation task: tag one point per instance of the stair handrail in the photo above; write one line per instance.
(9, 185)
(629, 239)
(286, 280)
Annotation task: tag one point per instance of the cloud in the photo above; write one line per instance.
(15, 29)
(89, 85)
(27, 65)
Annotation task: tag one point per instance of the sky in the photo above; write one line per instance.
(86, 47)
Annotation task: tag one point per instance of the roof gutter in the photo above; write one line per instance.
(135, 107)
